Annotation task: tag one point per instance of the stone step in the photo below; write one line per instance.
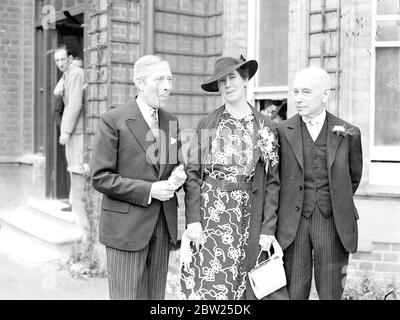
(20, 227)
(51, 211)
(23, 250)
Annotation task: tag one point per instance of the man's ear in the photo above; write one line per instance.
(325, 96)
(139, 83)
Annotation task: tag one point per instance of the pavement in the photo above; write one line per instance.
(379, 221)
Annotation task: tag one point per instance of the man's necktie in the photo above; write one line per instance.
(155, 128)
(312, 127)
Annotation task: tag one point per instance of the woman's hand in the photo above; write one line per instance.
(194, 232)
(266, 242)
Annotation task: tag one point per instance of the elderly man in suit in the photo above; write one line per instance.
(70, 87)
(321, 167)
(135, 167)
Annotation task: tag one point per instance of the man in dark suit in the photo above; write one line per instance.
(134, 166)
(321, 167)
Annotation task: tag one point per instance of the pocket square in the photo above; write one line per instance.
(173, 141)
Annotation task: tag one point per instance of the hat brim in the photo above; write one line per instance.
(211, 85)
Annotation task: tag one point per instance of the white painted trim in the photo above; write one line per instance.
(388, 17)
(272, 89)
(385, 153)
(387, 44)
(252, 44)
(373, 76)
(272, 93)
(254, 91)
(376, 152)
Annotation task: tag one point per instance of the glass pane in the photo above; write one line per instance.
(388, 7)
(387, 97)
(273, 44)
(388, 31)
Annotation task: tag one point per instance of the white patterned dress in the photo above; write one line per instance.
(217, 270)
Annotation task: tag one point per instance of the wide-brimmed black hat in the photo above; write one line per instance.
(224, 66)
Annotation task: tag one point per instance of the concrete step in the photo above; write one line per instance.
(51, 211)
(24, 232)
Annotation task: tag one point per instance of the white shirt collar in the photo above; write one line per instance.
(319, 119)
(145, 109)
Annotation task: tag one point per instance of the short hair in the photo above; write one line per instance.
(143, 65)
(321, 74)
(63, 48)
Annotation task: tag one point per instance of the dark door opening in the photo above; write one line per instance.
(69, 33)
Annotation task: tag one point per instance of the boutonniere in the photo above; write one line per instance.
(342, 131)
(266, 142)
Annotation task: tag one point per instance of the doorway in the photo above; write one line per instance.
(69, 33)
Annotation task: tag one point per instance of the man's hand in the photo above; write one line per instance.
(194, 232)
(64, 138)
(266, 242)
(162, 190)
(178, 176)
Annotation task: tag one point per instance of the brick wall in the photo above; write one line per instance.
(235, 28)
(382, 264)
(16, 77)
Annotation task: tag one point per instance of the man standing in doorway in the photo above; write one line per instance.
(134, 158)
(70, 87)
(321, 167)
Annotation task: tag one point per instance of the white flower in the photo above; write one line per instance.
(215, 265)
(221, 296)
(233, 253)
(194, 296)
(213, 214)
(219, 205)
(338, 129)
(227, 238)
(189, 282)
(229, 149)
(247, 139)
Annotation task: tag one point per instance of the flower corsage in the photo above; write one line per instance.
(266, 142)
(343, 131)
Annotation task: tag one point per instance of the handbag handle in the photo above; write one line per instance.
(277, 252)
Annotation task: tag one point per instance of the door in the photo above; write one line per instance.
(69, 32)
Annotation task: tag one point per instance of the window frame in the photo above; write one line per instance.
(380, 153)
(257, 92)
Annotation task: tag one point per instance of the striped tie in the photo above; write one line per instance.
(155, 128)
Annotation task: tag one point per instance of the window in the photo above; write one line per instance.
(268, 42)
(385, 124)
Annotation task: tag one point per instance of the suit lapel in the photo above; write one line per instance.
(142, 132)
(295, 139)
(333, 140)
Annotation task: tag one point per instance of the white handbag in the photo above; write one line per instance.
(269, 275)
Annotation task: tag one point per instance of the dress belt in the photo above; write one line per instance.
(225, 185)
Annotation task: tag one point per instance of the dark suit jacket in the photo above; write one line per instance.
(264, 193)
(344, 157)
(123, 173)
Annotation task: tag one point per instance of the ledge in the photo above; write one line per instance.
(80, 170)
(26, 159)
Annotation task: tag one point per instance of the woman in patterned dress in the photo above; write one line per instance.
(231, 194)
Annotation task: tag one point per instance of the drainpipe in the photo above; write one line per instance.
(149, 27)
